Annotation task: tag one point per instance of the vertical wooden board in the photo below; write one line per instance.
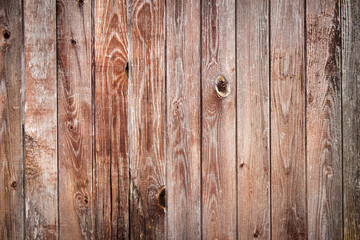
(183, 119)
(253, 119)
(147, 120)
(288, 179)
(323, 120)
(111, 116)
(11, 150)
(350, 19)
(40, 124)
(218, 120)
(74, 116)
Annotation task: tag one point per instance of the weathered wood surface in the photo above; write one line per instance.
(74, 119)
(111, 163)
(218, 120)
(323, 120)
(40, 123)
(147, 120)
(183, 119)
(253, 160)
(11, 148)
(288, 179)
(350, 11)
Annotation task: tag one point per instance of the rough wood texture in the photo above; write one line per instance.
(147, 122)
(183, 119)
(288, 179)
(40, 120)
(111, 165)
(350, 11)
(218, 120)
(253, 161)
(74, 116)
(11, 148)
(323, 120)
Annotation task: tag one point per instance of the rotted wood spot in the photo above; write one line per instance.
(222, 86)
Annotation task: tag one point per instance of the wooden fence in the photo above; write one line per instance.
(179, 119)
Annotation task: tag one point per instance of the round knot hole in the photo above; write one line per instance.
(222, 86)
(73, 42)
(14, 184)
(6, 34)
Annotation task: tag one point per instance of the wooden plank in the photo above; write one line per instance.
(147, 121)
(111, 120)
(288, 179)
(183, 119)
(74, 116)
(218, 120)
(323, 120)
(253, 119)
(40, 120)
(350, 18)
(11, 148)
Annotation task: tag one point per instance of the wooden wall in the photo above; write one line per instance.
(179, 119)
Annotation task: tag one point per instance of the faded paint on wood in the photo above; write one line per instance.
(40, 126)
(350, 11)
(288, 179)
(74, 116)
(183, 119)
(11, 148)
(253, 160)
(323, 120)
(111, 166)
(147, 122)
(218, 120)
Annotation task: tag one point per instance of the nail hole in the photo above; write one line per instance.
(86, 201)
(161, 197)
(127, 70)
(71, 128)
(222, 86)
(256, 234)
(14, 184)
(73, 42)
(6, 34)
(242, 164)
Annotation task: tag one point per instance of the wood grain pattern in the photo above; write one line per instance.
(74, 116)
(288, 179)
(147, 121)
(253, 119)
(11, 148)
(218, 121)
(40, 120)
(183, 119)
(111, 188)
(350, 11)
(323, 120)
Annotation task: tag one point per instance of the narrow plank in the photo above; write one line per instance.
(74, 116)
(147, 120)
(253, 119)
(40, 122)
(218, 120)
(11, 148)
(288, 179)
(350, 18)
(183, 119)
(111, 116)
(323, 120)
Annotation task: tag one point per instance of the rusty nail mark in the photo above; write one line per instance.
(222, 87)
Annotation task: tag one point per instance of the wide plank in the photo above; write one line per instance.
(11, 147)
(218, 120)
(350, 28)
(40, 123)
(147, 120)
(288, 169)
(111, 163)
(74, 116)
(253, 156)
(183, 119)
(323, 120)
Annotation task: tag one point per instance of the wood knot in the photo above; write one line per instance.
(242, 164)
(126, 70)
(256, 234)
(86, 200)
(161, 197)
(73, 42)
(80, 2)
(222, 86)
(13, 185)
(6, 34)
